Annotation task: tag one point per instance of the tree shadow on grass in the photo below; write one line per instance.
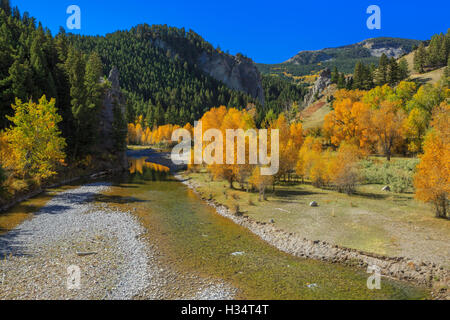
(371, 195)
(293, 193)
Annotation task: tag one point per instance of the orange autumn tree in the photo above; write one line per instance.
(284, 148)
(343, 169)
(145, 136)
(348, 122)
(131, 137)
(231, 120)
(291, 140)
(432, 180)
(386, 125)
(213, 119)
(311, 162)
(189, 128)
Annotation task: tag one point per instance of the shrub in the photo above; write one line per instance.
(237, 210)
(397, 174)
(344, 169)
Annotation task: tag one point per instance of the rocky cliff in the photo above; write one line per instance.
(112, 125)
(321, 84)
(236, 72)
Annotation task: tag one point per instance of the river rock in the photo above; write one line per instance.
(314, 204)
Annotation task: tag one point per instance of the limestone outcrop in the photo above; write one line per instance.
(320, 85)
(113, 107)
(236, 72)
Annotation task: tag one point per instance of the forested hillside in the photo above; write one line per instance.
(159, 67)
(52, 116)
(34, 63)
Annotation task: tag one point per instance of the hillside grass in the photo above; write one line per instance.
(428, 77)
(313, 116)
(316, 118)
(431, 77)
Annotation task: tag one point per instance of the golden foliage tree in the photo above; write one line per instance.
(231, 119)
(415, 128)
(432, 181)
(291, 140)
(260, 182)
(348, 122)
(343, 168)
(386, 124)
(34, 139)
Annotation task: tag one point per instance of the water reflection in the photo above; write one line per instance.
(141, 169)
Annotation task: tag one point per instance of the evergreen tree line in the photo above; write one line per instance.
(366, 77)
(158, 69)
(280, 95)
(33, 63)
(436, 55)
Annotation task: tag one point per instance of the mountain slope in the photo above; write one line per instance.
(432, 76)
(174, 76)
(345, 57)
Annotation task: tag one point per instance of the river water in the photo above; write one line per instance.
(194, 239)
(194, 242)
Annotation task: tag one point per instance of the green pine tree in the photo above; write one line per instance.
(393, 74)
(335, 75)
(403, 69)
(420, 58)
(358, 76)
(341, 84)
(6, 6)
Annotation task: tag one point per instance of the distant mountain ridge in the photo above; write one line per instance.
(375, 47)
(344, 57)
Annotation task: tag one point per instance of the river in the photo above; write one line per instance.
(198, 248)
(194, 239)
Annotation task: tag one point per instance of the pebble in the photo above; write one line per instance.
(35, 256)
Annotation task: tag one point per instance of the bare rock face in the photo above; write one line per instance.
(236, 72)
(320, 85)
(377, 49)
(113, 98)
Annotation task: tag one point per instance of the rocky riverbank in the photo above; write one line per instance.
(109, 247)
(70, 231)
(422, 273)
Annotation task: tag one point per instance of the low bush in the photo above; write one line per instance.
(398, 174)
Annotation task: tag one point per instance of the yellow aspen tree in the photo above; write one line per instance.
(432, 180)
(35, 140)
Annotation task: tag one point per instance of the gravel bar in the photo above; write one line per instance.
(70, 230)
(108, 247)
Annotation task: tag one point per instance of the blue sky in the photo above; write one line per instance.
(266, 31)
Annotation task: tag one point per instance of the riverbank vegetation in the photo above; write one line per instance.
(50, 100)
(402, 121)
